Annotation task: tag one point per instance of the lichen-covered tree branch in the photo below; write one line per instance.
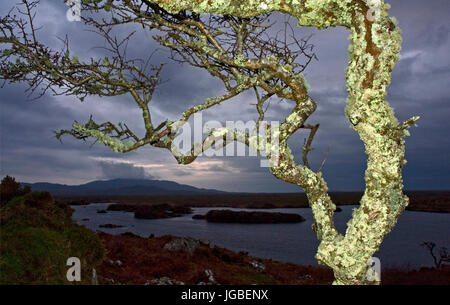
(228, 39)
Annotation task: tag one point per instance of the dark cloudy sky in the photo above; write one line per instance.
(420, 86)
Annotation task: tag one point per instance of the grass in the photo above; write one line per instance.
(38, 236)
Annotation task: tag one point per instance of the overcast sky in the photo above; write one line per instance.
(420, 86)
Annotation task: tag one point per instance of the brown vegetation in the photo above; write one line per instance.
(429, 201)
(144, 259)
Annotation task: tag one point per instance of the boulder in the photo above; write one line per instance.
(94, 278)
(258, 266)
(210, 276)
(185, 244)
(211, 279)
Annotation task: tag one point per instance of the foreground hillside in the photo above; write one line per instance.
(38, 236)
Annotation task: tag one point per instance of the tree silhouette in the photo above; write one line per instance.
(10, 188)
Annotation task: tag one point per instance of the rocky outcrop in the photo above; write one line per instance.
(94, 278)
(211, 279)
(116, 263)
(185, 244)
(230, 216)
(164, 281)
(258, 266)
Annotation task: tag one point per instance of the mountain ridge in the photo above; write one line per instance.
(140, 187)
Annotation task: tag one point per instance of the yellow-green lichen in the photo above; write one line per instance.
(375, 42)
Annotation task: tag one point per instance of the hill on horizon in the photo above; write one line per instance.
(121, 187)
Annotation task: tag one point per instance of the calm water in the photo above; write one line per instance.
(294, 243)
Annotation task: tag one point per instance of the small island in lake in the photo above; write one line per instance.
(230, 216)
(110, 226)
(152, 211)
(160, 211)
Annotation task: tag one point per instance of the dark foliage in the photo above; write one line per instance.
(9, 188)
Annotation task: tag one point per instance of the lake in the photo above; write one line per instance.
(295, 243)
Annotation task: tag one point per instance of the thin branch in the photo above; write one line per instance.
(324, 159)
(307, 146)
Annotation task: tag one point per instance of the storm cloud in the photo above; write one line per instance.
(112, 170)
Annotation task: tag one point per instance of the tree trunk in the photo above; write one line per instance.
(374, 49)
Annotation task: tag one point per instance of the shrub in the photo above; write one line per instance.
(9, 189)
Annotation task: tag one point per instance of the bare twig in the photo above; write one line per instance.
(324, 159)
(444, 256)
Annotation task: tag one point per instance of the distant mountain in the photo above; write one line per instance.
(119, 187)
